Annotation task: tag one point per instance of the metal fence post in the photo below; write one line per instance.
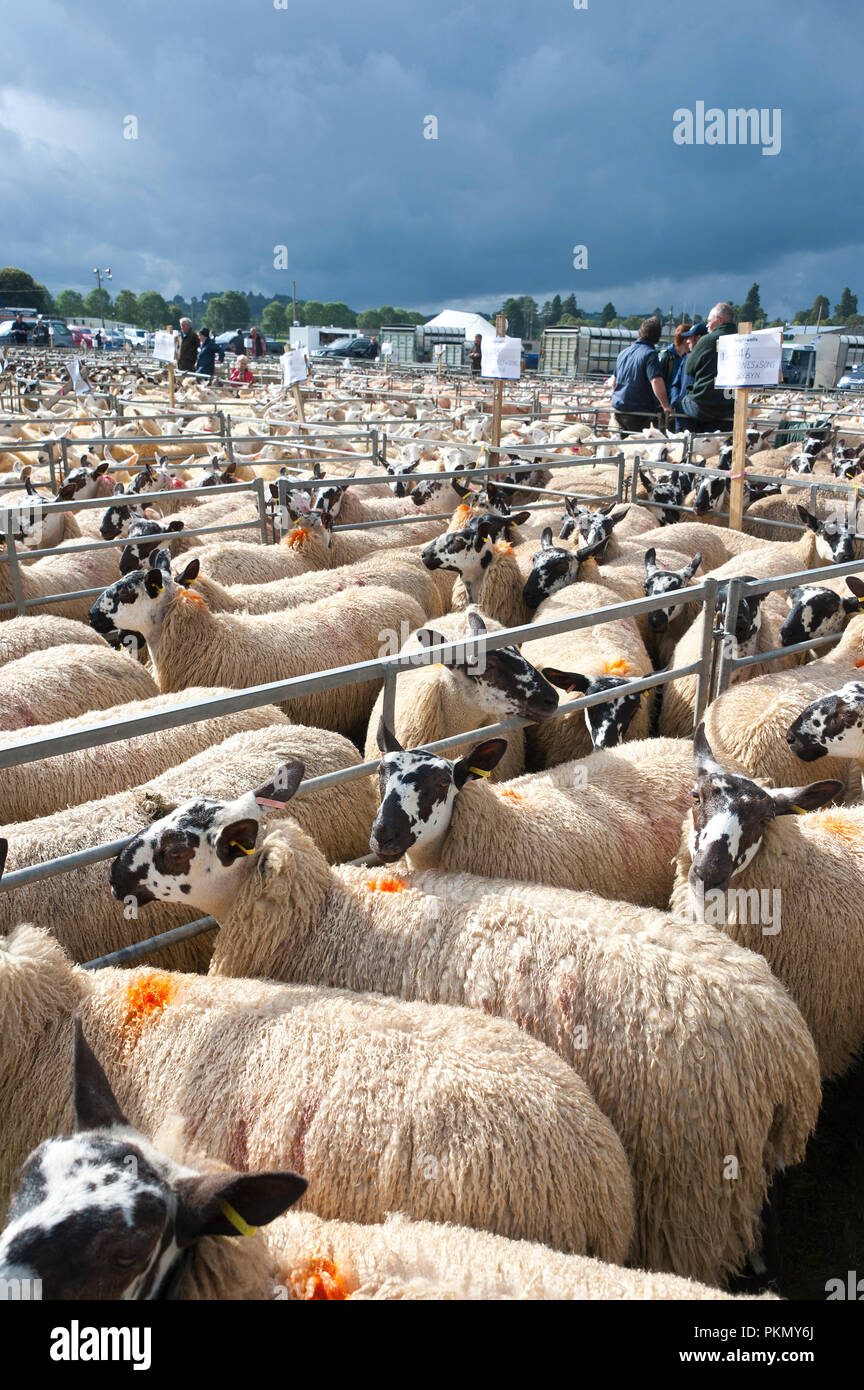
(229, 442)
(52, 467)
(14, 567)
(374, 433)
(619, 485)
(727, 636)
(388, 705)
(703, 686)
(284, 519)
(634, 484)
(64, 458)
(258, 485)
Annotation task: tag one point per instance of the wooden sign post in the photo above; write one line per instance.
(171, 384)
(739, 450)
(299, 402)
(745, 359)
(498, 396)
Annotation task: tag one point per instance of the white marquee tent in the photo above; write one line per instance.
(472, 323)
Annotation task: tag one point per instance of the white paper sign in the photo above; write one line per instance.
(501, 358)
(294, 366)
(79, 385)
(439, 349)
(749, 359)
(386, 349)
(163, 347)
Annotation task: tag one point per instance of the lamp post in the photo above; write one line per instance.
(99, 274)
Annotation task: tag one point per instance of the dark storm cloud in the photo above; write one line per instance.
(304, 126)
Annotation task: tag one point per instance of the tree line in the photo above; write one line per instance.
(232, 309)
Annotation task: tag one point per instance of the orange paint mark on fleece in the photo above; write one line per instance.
(297, 536)
(147, 995)
(385, 885)
(513, 796)
(187, 596)
(617, 668)
(860, 662)
(503, 547)
(838, 825)
(463, 511)
(319, 1282)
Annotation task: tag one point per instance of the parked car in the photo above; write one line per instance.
(853, 380)
(62, 336)
(81, 336)
(348, 347)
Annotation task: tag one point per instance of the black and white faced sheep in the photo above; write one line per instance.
(819, 611)
(103, 1214)
(624, 995)
(787, 884)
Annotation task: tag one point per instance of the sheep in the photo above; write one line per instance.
(189, 643)
(404, 1259)
(394, 569)
(60, 573)
(76, 905)
(820, 610)
(500, 1133)
(67, 680)
(584, 661)
(245, 562)
(21, 636)
(796, 895)
(39, 788)
(477, 687)
(575, 971)
(748, 723)
(757, 629)
(545, 827)
(666, 625)
(597, 529)
(830, 724)
(492, 573)
(313, 537)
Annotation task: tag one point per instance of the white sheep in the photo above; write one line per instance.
(21, 636)
(499, 1134)
(77, 906)
(67, 680)
(627, 998)
(786, 884)
(188, 643)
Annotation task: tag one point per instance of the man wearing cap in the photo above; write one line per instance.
(638, 386)
(702, 402)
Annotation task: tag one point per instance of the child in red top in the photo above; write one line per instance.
(241, 372)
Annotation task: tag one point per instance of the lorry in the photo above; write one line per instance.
(820, 357)
(584, 351)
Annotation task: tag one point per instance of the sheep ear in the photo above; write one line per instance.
(161, 559)
(546, 538)
(237, 840)
(475, 622)
(118, 489)
(689, 570)
(702, 754)
(428, 637)
(66, 492)
(789, 800)
(619, 516)
(190, 573)
(571, 505)
(153, 582)
(283, 784)
(176, 525)
(650, 560)
(808, 518)
(566, 680)
(232, 1204)
(480, 761)
(100, 469)
(316, 470)
(518, 518)
(4, 850)
(387, 740)
(95, 1104)
(856, 585)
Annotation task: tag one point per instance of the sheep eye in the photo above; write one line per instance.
(695, 795)
(123, 1260)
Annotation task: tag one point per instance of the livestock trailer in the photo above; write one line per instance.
(453, 340)
(820, 359)
(404, 340)
(582, 351)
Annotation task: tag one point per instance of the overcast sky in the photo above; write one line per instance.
(303, 126)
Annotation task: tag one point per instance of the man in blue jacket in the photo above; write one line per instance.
(206, 364)
(638, 387)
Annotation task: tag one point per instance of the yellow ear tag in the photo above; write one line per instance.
(799, 810)
(234, 845)
(479, 772)
(242, 1227)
